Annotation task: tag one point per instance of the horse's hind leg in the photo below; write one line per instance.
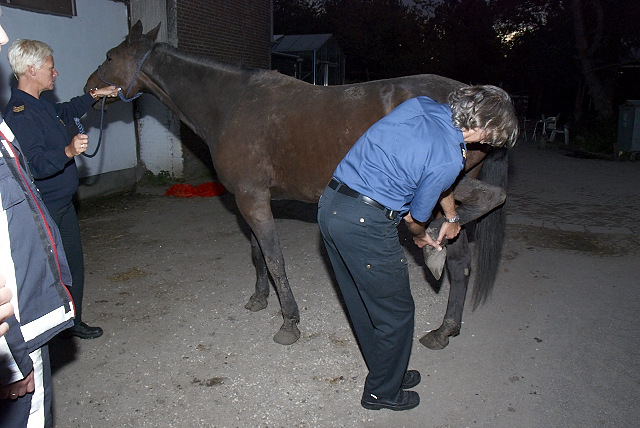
(458, 266)
(258, 300)
(476, 199)
(258, 215)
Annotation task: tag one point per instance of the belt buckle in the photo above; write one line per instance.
(390, 214)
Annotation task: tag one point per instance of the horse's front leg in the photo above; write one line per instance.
(258, 215)
(258, 300)
(458, 266)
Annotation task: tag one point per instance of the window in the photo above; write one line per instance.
(54, 7)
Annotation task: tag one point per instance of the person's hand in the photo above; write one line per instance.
(426, 239)
(18, 389)
(107, 91)
(78, 145)
(6, 308)
(449, 231)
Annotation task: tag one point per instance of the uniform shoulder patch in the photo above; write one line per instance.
(18, 109)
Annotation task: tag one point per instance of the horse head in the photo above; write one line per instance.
(123, 64)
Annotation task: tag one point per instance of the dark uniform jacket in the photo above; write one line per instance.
(39, 125)
(33, 263)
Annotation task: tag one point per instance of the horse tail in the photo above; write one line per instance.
(490, 229)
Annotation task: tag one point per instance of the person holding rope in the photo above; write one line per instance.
(39, 125)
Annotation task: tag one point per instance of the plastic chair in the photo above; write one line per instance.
(551, 124)
(555, 129)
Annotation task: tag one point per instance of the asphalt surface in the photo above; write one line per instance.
(167, 278)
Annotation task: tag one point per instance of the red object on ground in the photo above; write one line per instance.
(209, 189)
(204, 190)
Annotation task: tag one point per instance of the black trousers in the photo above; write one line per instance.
(371, 269)
(67, 221)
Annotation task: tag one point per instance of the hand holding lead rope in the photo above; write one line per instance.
(82, 132)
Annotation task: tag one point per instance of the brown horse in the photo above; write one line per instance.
(275, 137)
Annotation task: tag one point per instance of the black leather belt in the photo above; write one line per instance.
(347, 191)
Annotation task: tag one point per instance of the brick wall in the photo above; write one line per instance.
(231, 31)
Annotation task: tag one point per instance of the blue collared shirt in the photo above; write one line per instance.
(407, 159)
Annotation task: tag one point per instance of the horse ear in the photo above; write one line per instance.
(153, 34)
(135, 32)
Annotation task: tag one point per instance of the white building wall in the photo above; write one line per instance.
(79, 45)
(158, 127)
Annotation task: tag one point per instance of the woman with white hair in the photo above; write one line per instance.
(39, 125)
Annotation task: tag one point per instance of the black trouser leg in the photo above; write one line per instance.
(67, 221)
(371, 269)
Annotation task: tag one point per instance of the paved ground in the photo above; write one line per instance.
(554, 189)
(556, 346)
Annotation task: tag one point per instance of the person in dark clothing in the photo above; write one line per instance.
(35, 270)
(33, 276)
(39, 125)
(398, 170)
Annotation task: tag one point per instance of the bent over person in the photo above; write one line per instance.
(39, 125)
(398, 170)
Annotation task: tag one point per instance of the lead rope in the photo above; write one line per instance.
(81, 129)
(122, 97)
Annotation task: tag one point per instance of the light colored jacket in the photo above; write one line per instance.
(33, 263)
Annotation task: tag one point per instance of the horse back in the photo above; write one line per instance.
(292, 135)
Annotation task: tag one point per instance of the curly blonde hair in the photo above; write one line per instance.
(488, 108)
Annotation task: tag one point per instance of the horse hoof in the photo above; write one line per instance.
(435, 260)
(256, 304)
(287, 335)
(431, 341)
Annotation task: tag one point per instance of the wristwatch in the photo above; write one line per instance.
(456, 219)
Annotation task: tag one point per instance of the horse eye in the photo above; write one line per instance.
(108, 58)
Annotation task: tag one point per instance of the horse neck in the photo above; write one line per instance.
(167, 69)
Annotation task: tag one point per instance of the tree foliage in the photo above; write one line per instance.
(564, 54)
(296, 17)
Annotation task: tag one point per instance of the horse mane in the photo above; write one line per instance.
(196, 59)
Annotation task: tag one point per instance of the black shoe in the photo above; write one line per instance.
(83, 331)
(411, 379)
(404, 400)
